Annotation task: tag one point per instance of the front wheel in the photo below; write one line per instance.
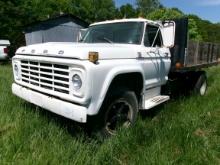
(118, 111)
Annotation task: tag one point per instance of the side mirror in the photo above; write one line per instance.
(168, 33)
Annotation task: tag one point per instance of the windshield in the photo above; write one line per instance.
(123, 33)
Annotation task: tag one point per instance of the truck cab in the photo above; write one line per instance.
(117, 69)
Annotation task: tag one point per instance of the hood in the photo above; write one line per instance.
(81, 50)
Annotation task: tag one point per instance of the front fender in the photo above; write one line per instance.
(104, 80)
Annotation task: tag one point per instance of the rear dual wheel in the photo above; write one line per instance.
(200, 87)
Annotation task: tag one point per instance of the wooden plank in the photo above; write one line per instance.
(202, 54)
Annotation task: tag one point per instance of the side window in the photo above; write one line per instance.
(152, 36)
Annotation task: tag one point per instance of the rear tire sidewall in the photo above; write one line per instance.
(201, 85)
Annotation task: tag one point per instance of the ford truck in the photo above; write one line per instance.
(118, 68)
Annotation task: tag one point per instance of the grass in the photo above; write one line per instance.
(183, 131)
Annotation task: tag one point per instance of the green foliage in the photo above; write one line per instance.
(193, 31)
(89, 10)
(12, 20)
(183, 131)
(144, 7)
(96, 10)
(174, 13)
(210, 32)
(16, 14)
(165, 14)
(127, 11)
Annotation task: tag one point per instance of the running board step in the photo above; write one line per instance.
(152, 102)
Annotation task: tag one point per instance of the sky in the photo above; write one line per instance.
(205, 9)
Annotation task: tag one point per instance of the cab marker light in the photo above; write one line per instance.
(93, 57)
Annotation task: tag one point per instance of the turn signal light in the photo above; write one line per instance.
(178, 65)
(93, 57)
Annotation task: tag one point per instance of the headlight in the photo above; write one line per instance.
(77, 82)
(16, 70)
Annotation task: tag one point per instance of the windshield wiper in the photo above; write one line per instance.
(106, 39)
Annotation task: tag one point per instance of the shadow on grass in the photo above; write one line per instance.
(75, 129)
(79, 130)
(151, 113)
(174, 97)
(5, 62)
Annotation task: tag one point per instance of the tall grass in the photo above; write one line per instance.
(182, 131)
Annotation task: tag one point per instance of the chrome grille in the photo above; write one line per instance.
(49, 76)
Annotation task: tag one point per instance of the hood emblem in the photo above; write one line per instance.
(61, 52)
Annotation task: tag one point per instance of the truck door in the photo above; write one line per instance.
(157, 58)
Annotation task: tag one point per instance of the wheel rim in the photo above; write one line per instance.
(119, 115)
(203, 88)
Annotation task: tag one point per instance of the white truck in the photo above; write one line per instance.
(118, 68)
(4, 49)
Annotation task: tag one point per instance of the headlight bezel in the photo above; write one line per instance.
(16, 70)
(77, 82)
(81, 73)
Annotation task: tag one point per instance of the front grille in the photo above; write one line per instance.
(49, 76)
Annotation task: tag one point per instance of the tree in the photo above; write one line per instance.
(193, 31)
(95, 10)
(127, 11)
(210, 32)
(16, 14)
(144, 7)
(104, 10)
(11, 23)
(165, 14)
(174, 13)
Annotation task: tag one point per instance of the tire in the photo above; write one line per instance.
(118, 110)
(200, 87)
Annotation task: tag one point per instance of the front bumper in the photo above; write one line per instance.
(66, 109)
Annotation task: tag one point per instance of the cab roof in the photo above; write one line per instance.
(126, 20)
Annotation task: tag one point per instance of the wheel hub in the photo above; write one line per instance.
(120, 114)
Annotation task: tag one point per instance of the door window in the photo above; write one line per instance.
(152, 36)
